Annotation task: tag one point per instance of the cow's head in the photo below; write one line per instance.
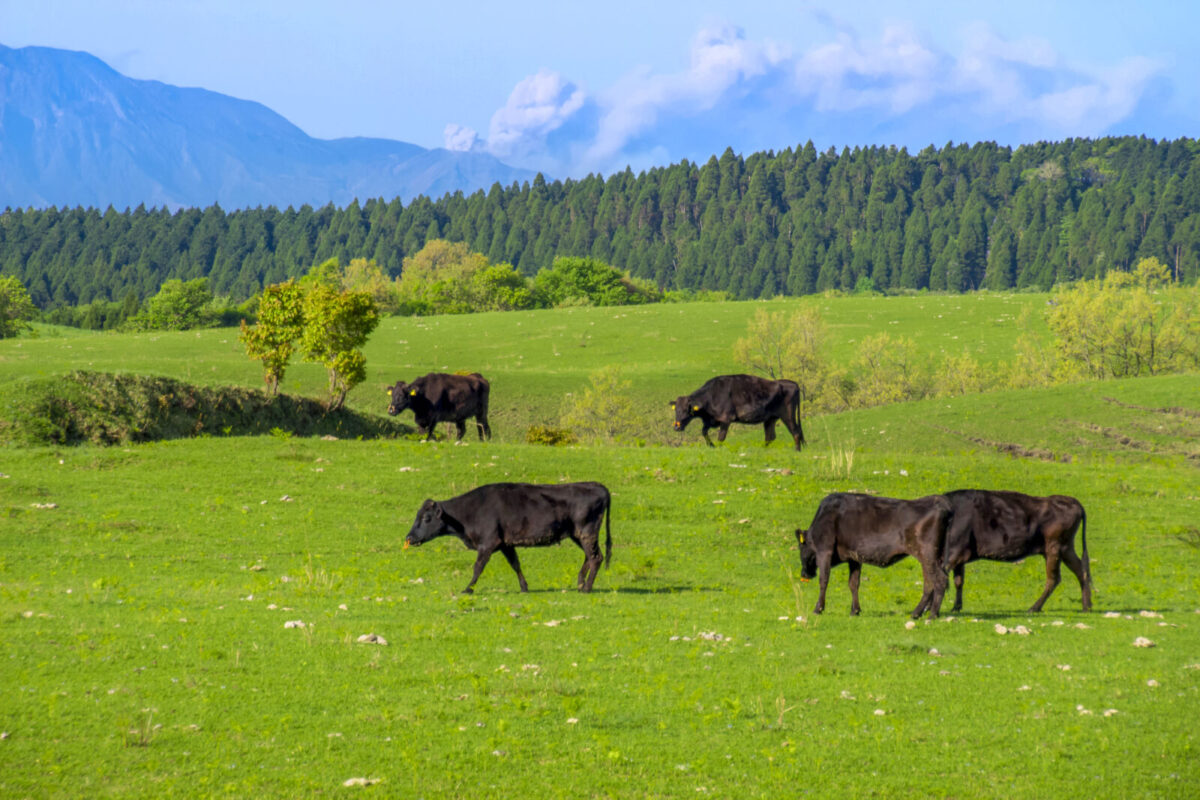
(429, 524)
(402, 395)
(685, 411)
(808, 555)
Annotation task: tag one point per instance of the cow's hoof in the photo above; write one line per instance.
(468, 590)
(854, 612)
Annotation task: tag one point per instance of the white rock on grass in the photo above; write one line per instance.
(372, 638)
(1142, 641)
(1000, 629)
(294, 623)
(360, 781)
(1150, 614)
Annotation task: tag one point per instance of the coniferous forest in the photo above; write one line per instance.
(957, 218)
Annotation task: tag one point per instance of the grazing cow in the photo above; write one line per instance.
(862, 529)
(1008, 526)
(505, 516)
(440, 397)
(742, 398)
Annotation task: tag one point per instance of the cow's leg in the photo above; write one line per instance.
(769, 430)
(432, 430)
(724, 426)
(593, 558)
(480, 562)
(1074, 563)
(823, 569)
(461, 426)
(704, 432)
(794, 430)
(855, 575)
(510, 553)
(935, 583)
(481, 427)
(1053, 575)
(959, 573)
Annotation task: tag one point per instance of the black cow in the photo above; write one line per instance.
(1008, 526)
(505, 516)
(862, 529)
(742, 398)
(440, 397)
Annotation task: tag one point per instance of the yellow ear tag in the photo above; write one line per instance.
(413, 393)
(672, 405)
(802, 538)
(695, 408)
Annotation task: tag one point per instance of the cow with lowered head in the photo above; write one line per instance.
(1008, 526)
(505, 516)
(441, 397)
(746, 399)
(858, 529)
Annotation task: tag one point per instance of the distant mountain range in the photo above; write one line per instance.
(75, 132)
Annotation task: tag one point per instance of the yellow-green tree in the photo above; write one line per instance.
(272, 340)
(336, 325)
(16, 308)
(783, 345)
(1126, 325)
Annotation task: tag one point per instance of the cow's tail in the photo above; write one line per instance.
(796, 412)
(1087, 564)
(607, 527)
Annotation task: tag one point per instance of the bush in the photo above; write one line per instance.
(16, 308)
(589, 281)
(544, 434)
(178, 306)
(104, 408)
(604, 411)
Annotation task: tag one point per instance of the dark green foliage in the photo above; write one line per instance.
(104, 408)
(792, 222)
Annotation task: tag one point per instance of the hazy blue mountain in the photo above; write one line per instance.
(75, 132)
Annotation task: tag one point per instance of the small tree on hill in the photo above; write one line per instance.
(336, 324)
(16, 308)
(273, 339)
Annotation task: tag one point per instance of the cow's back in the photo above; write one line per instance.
(877, 530)
(529, 514)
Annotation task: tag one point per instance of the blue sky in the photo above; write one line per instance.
(575, 90)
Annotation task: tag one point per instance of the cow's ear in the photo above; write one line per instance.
(695, 408)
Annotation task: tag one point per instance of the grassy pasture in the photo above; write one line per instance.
(142, 630)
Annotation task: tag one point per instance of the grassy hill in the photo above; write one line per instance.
(142, 617)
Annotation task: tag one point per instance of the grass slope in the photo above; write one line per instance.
(142, 618)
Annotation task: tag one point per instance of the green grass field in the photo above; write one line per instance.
(142, 619)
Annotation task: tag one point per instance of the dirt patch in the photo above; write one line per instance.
(1012, 449)
(1176, 410)
(1114, 435)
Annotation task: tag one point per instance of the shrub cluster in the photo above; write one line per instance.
(1125, 325)
(105, 408)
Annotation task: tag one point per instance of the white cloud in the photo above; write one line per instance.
(538, 105)
(722, 61)
(895, 81)
(460, 138)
